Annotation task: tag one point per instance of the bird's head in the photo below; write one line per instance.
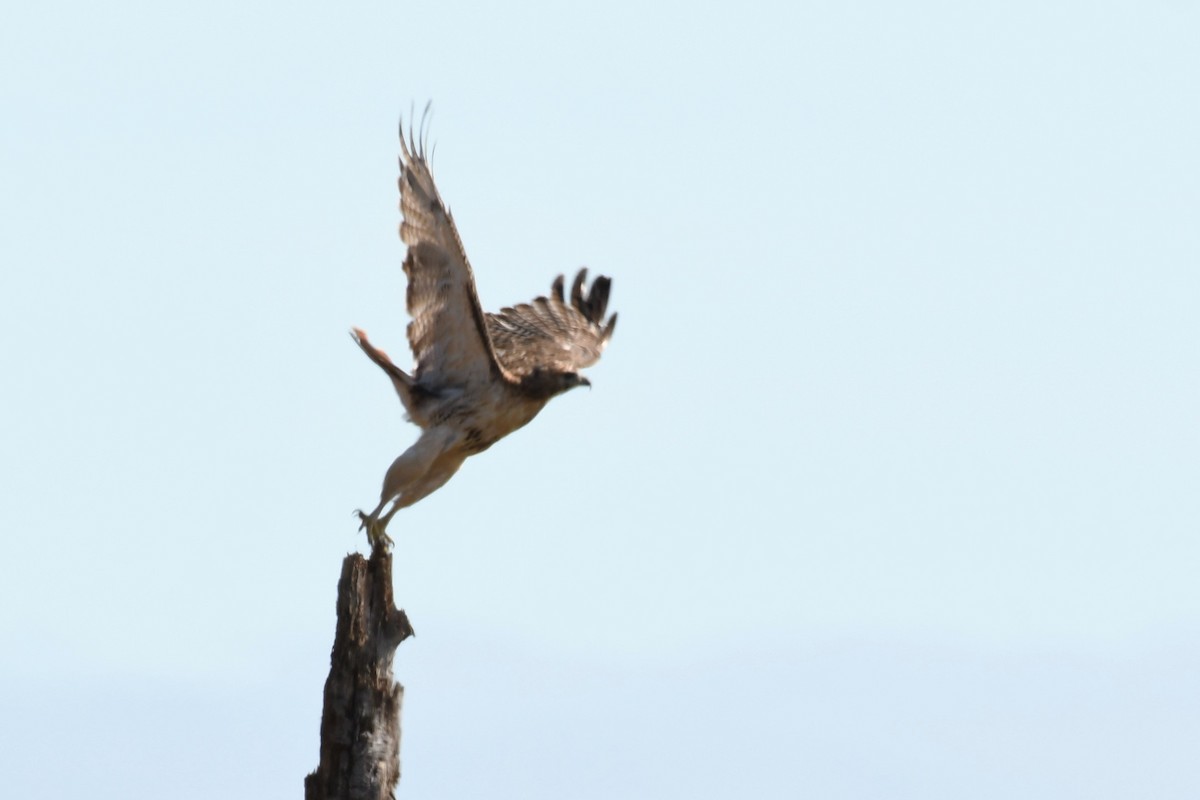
(548, 383)
(575, 379)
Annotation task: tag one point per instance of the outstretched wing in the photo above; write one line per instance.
(448, 332)
(553, 333)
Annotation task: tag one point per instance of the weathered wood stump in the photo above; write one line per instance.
(360, 722)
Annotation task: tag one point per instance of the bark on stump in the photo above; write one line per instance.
(360, 722)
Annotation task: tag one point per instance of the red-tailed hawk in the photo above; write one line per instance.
(478, 376)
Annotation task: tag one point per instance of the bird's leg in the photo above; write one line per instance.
(392, 511)
(418, 471)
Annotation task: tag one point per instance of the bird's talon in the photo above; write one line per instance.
(375, 532)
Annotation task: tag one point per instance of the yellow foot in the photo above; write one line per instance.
(375, 531)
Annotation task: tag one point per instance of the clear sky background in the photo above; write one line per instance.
(886, 487)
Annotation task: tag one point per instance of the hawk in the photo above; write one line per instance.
(478, 377)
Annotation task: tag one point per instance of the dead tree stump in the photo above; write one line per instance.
(360, 722)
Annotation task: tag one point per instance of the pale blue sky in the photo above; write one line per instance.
(886, 486)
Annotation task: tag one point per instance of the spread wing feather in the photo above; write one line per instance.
(448, 333)
(551, 333)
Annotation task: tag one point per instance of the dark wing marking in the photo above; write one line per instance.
(551, 333)
(448, 332)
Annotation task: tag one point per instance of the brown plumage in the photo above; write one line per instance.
(478, 376)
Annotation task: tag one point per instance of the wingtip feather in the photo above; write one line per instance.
(610, 327)
(577, 299)
(597, 301)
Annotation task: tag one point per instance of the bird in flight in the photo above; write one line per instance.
(478, 376)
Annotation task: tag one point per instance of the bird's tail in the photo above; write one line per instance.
(400, 379)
